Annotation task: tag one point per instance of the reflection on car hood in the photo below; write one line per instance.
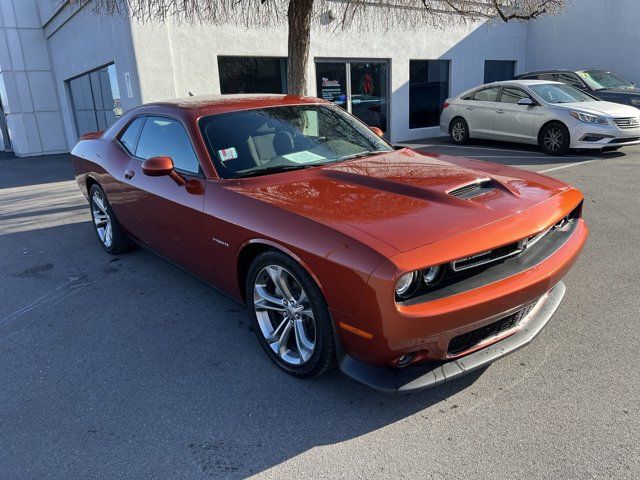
(599, 108)
(622, 91)
(401, 198)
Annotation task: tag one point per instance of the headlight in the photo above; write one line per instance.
(431, 275)
(405, 284)
(587, 118)
(418, 281)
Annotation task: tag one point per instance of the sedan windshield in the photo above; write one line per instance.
(559, 93)
(601, 79)
(275, 139)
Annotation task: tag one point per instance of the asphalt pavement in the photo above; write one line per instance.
(127, 367)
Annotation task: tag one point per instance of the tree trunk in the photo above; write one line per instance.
(299, 17)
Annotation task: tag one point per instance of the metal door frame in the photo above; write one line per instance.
(347, 65)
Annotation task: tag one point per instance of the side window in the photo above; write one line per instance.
(512, 95)
(163, 136)
(570, 79)
(546, 76)
(129, 137)
(486, 94)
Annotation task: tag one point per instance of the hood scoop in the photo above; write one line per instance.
(474, 189)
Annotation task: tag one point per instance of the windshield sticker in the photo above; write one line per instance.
(583, 74)
(227, 154)
(303, 157)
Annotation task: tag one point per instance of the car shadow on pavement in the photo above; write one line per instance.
(138, 369)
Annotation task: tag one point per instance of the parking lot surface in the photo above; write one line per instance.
(127, 367)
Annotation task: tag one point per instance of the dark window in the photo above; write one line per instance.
(570, 79)
(541, 76)
(163, 136)
(486, 94)
(252, 74)
(512, 95)
(499, 70)
(130, 136)
(428, 89)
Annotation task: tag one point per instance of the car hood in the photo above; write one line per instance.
(621, 91)
(401, 198)
(599, 108)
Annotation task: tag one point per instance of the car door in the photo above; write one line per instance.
(515, 122)
(158, 212)
(479, 112)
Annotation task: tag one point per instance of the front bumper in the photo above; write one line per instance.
(421, 376)
(585, 136)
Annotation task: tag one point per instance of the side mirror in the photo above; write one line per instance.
(160, 167)
(377, 131)
(526, 101)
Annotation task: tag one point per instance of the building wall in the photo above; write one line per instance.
(590, 34)
(27, 84)
(176, 59)
(81, 42)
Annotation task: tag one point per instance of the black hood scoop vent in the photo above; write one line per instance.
(475, 189)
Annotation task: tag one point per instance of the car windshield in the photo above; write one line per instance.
(560, 93)
(275, 139)
(601, 79)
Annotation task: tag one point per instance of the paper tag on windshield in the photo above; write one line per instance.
(303, 157)
(227, 154)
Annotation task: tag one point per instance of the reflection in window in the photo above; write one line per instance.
(486, 95)
(95, 99)
(499, 70)
(428, 89)
(512, 95)
(163, 136)
(252, 74)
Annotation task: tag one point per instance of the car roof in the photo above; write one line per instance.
(214, 104)
(516, 82)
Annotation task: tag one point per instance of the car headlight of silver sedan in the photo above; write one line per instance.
(587, 118)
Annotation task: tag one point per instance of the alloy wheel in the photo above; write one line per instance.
(101, 219)
(553, 139)
(458, 131)
(284, 314)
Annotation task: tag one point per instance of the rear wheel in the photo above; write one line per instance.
(459, 131)
(110, 234)
(554, 139)
(290, 316)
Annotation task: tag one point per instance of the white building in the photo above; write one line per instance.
(64, 71)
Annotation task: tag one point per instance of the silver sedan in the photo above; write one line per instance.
(555, 116)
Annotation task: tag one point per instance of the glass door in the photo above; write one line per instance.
(360, 87)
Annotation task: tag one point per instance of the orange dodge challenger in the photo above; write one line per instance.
(404, 269)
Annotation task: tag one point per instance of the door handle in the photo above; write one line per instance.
(128, 174)
(469, 108)
(500, 111)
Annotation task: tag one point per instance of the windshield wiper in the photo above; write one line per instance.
(279, 168)
(360, 155)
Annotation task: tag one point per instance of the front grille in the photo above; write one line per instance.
(470, 339)
(487, 257)
(624, 140)
(475, 189)
(627, 122)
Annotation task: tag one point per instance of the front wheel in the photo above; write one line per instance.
(554, 139)
(290, 316)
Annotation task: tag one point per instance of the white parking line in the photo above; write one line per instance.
(542, 155)
(553, 169)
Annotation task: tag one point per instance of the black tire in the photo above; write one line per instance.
(459, 131)
(554, 139)
(323, 357)
(119, 240)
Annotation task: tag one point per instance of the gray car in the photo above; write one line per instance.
(555, 116)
